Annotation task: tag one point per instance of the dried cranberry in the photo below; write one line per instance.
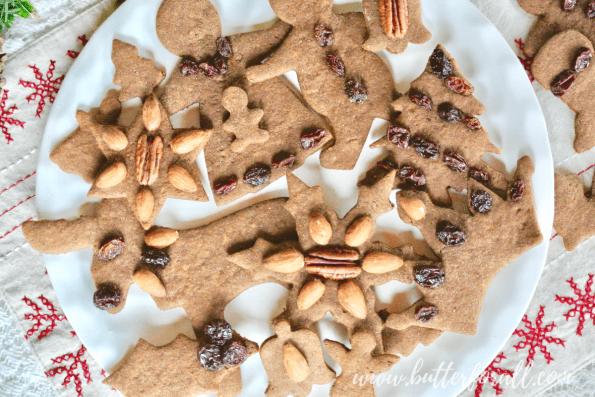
(426, 313)
(481, 201)
(429, 276)
(225, 186)
(257, 175)
(235, 354)
(459, 85)
(188, 67)
(455, 161)
(223, 47)
(583, 59)
(221, 64)
(472, 123)
(324, 36)
(155, 257)
(449, 234)
(517, 189)
(424, 147)
(111, 248)
(569, 5)
(411, 176)
(420, 99)
(563, 82)
(479, 175)
(440, 64)
(208, 69)
(387, 164)
(591, 10)
(218, 332)
(311, 139)
(108, 296)
(398, 135)
(210, 357)
(335, 64)
(450, 113)
(356, 91)
(283, 160)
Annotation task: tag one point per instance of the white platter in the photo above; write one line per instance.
(513, 118)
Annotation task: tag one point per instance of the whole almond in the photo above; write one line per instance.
(181, 179)
(111, 176)
(381, 262)
(359, 231)
(413, 207)
(351, 297)
(149, 282)
(320, 229)
(114, 138)
(145, 203)
(187, 141)
(285, 261)
(310, 294)
(161, 238)
(296, 365)
(151, 113)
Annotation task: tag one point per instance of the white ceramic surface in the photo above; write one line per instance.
(513, 119)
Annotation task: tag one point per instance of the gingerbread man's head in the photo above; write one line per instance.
(296, 12)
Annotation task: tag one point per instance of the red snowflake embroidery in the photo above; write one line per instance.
(526, 61)
(6, 119)
(488, 376)
(84, 40)
(71, 375)
(584, 303)
(536, 337)
(40, 319)
(46, 88)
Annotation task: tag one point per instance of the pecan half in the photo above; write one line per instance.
(149, 152)
(334, 272)
(394, 17)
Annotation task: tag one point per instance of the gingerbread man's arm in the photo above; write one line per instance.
(281, 61)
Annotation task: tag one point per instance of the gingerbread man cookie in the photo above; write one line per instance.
(242, 122)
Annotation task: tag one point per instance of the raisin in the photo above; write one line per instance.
(420, 99)
(450, 113)
(235, 354)
(426, 313)
(311, 139)
(481, 201)
(226, 186)
(335, 64)
(472, 123)
(479, 175)
(455, 162)
(110, 249)
(283, 160)
(562, 83)
(425, 148)
(387, 164)
(208, 69)
(591, 10)
(108, 296)
(155, 257)
(324, 36)
(411, 176)
(440, 64)
(398, 135)
(223, 47)
(459, 85)
(188, 67)
(429, 276)
(221, 64)
(449, 234)
(583, 59)
(218, 332)
(569, 5)
(257, 175)
(517, 189)
(210, 357)
(356, 91)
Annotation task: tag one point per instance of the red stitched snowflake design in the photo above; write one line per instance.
(71, 375)
(46, 88)
(536, 337)
(40, 319)
(526, 61)
(584, 303)
(488, 376)
(6, 119)
(84, 40)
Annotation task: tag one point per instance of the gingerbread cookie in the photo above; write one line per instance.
(393, 24)
(338, 79)
(562, 65)
(436, 140)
